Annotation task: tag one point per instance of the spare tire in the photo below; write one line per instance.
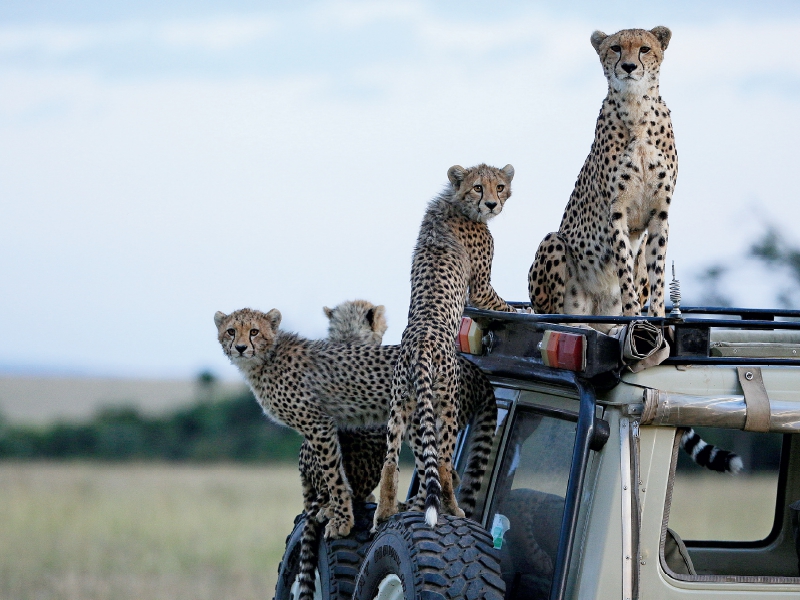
(338, 560)
(410, 560)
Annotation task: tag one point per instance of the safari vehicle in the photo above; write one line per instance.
(587, 494)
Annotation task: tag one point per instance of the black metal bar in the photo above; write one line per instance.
(747, 317)
(731, 360)
(584, 432)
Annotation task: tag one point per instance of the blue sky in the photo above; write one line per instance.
(160, 161)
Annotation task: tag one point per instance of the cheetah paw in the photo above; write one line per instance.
(381, 515)
(338, 528)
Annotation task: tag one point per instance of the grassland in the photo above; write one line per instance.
(103, 532)
(89, 531)
(92, 531)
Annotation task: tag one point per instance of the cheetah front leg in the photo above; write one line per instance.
(325, 443)
(658, 233)
(640, 271)
(481, 292)
(623, 259)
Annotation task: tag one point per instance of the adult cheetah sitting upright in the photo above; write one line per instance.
(609, 253)
(452, 263)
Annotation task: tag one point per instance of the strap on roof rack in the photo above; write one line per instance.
(756, 399)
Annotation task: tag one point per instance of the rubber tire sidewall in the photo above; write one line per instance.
(387, 555)
(338, 562)
(288, 567)
(453, 560)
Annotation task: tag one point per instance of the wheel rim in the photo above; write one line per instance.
(294, 592)
(390, 588)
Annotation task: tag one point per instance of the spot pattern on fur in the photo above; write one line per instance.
(609, 253)
(364, 448)
(451, 265)
(320, 388)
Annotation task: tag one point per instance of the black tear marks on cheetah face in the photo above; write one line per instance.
(481, 191)
(451, 263)
(608, 256)
(247, 335)
(632, 58)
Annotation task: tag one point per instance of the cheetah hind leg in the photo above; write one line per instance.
(548, 275)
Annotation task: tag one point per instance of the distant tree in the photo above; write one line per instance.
(206, 378)
(772, 251)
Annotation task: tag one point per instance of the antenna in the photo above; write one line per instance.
(675, 295)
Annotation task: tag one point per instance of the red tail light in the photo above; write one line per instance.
(469, 337)
(564, 350)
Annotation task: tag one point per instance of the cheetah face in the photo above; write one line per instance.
(631, 58)
(247, 335)
(481, 191)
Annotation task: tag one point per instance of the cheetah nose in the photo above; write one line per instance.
(490, 205)
(628, 67)
(241, 348)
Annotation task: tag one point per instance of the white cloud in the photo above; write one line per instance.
(219, 33)
(137, 208)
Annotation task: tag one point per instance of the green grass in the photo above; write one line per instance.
(85, 531)
(96, 531)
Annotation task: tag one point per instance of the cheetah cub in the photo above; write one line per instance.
(356, 322)
(363, 448)
(319, 388)
(451, 264)
(608, 255)
(312, 387)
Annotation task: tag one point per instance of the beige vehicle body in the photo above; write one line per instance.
(617, 543)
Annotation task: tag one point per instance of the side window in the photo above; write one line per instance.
(529, 498)
(722, 507)
(724, 528)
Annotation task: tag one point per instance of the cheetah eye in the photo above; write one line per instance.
(645, 49)
(616, 48)
(253, 332)
(500, 188)
(477, 188)
(231, 332)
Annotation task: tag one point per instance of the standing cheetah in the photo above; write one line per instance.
(363, 448)
(608, 255)
(318, 387)
(451, 264)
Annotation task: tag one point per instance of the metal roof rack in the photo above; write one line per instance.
(701, 335)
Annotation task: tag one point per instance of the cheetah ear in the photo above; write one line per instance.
(378, 321)
(663, 35)
(219, 317)
(328, 312)
(597, 39)
(274, 318)
(509, 171)
(456, 175)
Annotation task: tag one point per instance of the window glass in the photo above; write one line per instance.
(713, 506)
(461, 465)
(529, 493)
